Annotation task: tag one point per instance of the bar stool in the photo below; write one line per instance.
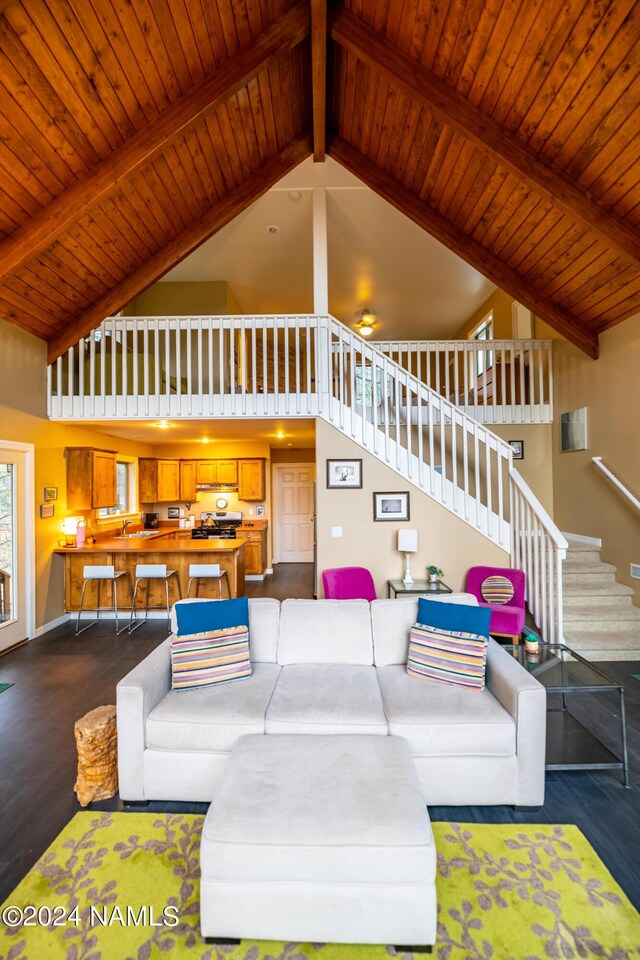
(99, 574)
(149, 572)
(207, 571)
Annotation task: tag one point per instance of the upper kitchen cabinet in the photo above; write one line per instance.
(223, 472)
(91, 478)
(188, 491)
(158, 480)
(251, 480)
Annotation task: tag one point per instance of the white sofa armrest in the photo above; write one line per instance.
(136, 696)
(526, 700)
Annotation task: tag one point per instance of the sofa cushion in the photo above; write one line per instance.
(210, 615)
(440, 720)
(326, 698)
(264, 622)
(204, 659)
(391, 621)
(459, 617)
(325, 631)
(447, 656)
(319, 810)
(212, 719)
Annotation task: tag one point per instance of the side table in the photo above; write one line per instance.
(397, 588)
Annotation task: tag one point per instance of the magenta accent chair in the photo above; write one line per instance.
(348, 583)
(507, 619)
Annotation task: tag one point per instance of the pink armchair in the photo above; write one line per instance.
(348, 583)
(503, 590)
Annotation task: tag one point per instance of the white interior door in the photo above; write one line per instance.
(16, 544)
(293, 520)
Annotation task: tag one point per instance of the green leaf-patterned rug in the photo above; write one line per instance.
(125, 885)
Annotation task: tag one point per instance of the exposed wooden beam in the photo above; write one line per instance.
(184, 244)
(464, 246)
(145, 145)
(455, 110)
(319, 76)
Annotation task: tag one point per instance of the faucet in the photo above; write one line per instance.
(125, 524)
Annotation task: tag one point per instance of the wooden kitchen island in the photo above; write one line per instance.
(162, 547)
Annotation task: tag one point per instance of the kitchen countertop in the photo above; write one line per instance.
(156, 543)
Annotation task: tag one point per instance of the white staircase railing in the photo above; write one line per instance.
(308, 366)
(495, 381)
(617, 482)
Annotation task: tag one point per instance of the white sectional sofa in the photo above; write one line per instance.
(335, 667)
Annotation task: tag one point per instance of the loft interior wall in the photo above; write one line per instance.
(176, 298)
(23, 365)
(585, 500)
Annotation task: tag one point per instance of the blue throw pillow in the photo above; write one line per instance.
(460, 617)
(211, 615)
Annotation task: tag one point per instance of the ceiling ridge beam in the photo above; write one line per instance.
(455, 110)
(463, 245)
(145, 145)
(185, 243)
(319, 76)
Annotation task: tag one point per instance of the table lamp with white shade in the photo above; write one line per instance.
(407, 544)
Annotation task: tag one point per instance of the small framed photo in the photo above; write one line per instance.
(391, 506)
(344, 473)
(46, 510)
(173, 513)
(260, 510)
(518, 449)
(50, 493)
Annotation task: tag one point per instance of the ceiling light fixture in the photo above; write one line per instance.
(366, 323)
(294, 194)
(205, 440)
(163, 425)
(280, 435)
(272, 228)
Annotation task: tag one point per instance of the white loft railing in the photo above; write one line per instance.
(308, 366)
(618, 483)
(494, 381)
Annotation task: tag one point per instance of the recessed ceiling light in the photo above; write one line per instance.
(272, 228)
(205, 440)
(280, 435)
(294, 194)
(163, 425)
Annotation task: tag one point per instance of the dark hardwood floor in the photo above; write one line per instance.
(59, 677)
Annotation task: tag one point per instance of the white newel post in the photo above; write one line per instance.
(321, 294)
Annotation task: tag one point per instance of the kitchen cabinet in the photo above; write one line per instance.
(255, 550)
(251, 479)
(91, 478)
(217, 471)
(188, 480)
(158, 480)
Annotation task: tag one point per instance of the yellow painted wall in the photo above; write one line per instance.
(500, 303)
(179, 298)
(443, 539)
(23, 361)
(586, 502)
(537, 466)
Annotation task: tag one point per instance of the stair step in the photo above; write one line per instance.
(592, 576)
(591, 556)
(579, 639)
(604, 654)
(580, 565)
(578, 547)
(577, 601)
(589, 586)
(614, 629)
(610, 613)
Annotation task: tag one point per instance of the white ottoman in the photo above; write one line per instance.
(320, 839)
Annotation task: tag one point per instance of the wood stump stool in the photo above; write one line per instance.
(97, 743)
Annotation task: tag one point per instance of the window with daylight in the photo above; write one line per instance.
(484, 331)
(125, 502)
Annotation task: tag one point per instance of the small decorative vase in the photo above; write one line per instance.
(531, 643)
(433, 578)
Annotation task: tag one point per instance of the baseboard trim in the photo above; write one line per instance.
(268, 572)
(14, 646)
(52, 624)
(254, 576)
(579, 538)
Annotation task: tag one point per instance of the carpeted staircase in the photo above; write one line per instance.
(600, 620)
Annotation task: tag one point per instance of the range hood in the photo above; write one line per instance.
(216, 486)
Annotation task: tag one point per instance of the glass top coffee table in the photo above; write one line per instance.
(570, 745)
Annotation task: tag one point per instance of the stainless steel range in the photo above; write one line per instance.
(221, 524)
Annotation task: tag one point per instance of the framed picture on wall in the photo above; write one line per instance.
(518, 449)
(344, 473)
(46, 510)
(50, 493)
(391, 506)
(573, 430)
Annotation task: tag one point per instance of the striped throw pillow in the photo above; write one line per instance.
(447, 656)
(497, 590)
(203, 659)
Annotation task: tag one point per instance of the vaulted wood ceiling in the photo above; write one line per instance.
(132, 131)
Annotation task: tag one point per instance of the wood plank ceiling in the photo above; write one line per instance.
(132, 131)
